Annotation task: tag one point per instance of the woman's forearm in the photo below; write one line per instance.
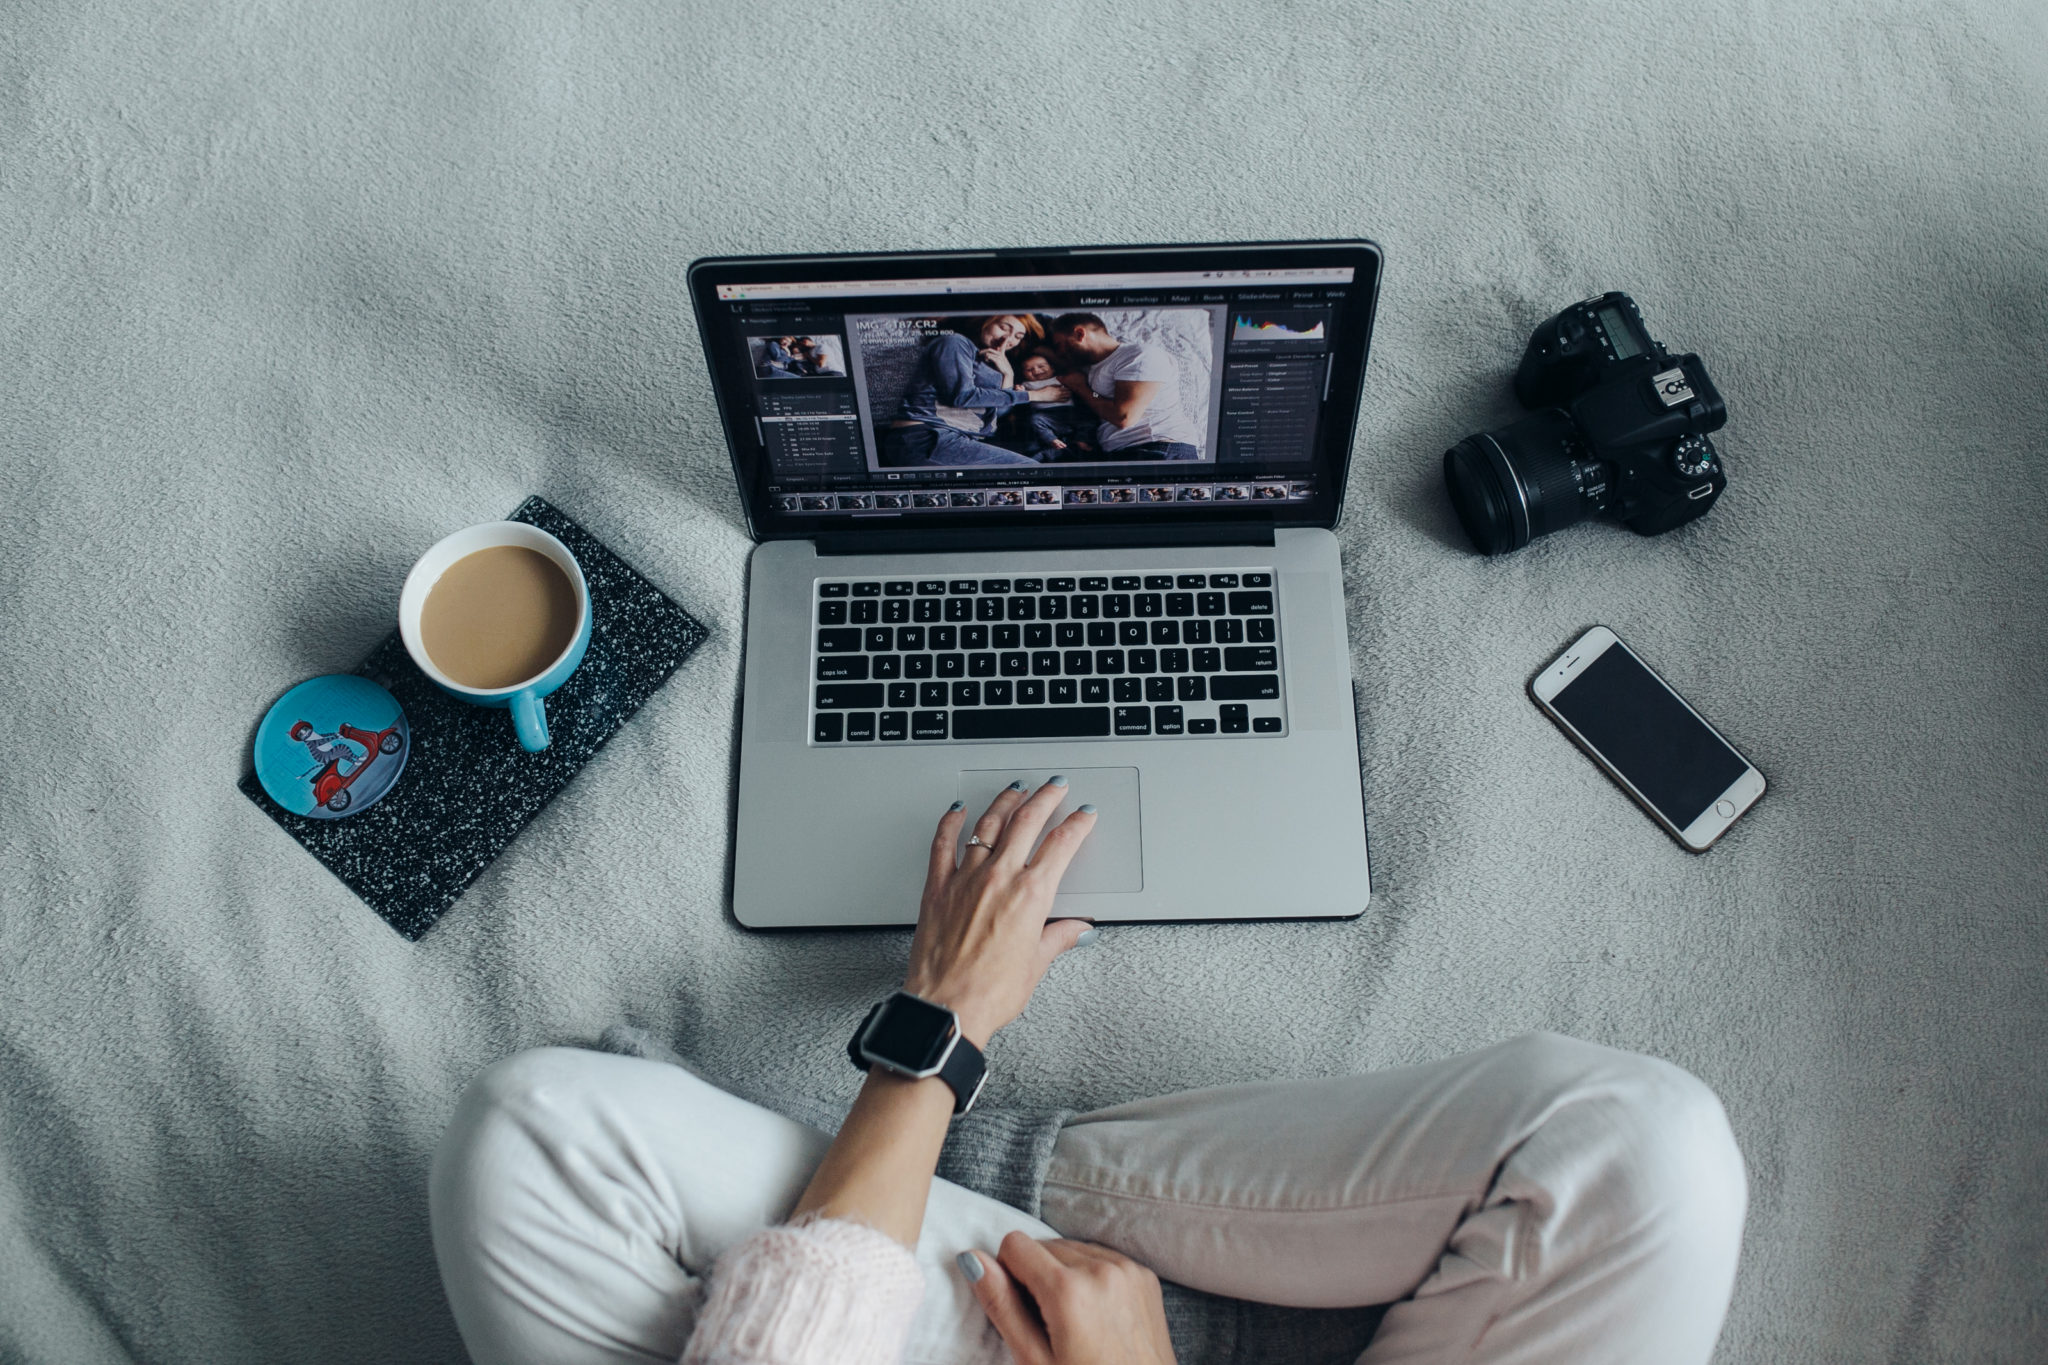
(878, 1171)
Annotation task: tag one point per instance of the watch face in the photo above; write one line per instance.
(909, 1033)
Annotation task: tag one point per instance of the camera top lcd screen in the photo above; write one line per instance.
(1641, 727)
(1616, 327)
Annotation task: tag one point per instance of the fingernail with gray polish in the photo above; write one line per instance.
(954, 806)
(970, 1266)
(1016, 786)
(1086, 937)
(1088, 810)
(1055, 781)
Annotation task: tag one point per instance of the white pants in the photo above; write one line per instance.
(1542, 1200)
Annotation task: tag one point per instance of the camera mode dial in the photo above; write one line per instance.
(1692, 456)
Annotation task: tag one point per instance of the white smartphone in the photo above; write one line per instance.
(1661, 751)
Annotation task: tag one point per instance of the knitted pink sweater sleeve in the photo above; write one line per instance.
(827, 1292)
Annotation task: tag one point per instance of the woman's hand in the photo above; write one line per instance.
(1071, 1303)
(983, 942)
(1001, 363)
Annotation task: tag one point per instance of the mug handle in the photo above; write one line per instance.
(530, 720)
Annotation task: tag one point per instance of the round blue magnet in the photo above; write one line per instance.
(331, 746)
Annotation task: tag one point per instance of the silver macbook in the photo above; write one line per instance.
(1026, 512)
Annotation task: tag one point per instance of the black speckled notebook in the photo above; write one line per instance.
(468, 787)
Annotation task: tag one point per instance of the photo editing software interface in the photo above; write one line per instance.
(939, 397)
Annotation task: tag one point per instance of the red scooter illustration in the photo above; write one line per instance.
(330, 784)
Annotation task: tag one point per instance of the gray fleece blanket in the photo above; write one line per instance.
(291, 289)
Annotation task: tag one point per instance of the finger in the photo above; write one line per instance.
(1011, 1312)
(1028, 819)
(1076, 1254)
(1063, 843)
(989, 828)
(1034, 1267)
(1059, 937)
(944, 843)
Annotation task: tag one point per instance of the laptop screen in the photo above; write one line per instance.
(1134, 385)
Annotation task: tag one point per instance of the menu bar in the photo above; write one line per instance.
(989, 284)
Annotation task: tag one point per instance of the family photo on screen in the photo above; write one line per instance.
(1106, 387)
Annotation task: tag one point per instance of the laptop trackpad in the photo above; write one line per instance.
(1112, 858)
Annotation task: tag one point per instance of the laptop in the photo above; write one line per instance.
(1025, 512)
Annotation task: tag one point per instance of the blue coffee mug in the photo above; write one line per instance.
(522, 699)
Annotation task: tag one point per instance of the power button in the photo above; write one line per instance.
(1725, 809)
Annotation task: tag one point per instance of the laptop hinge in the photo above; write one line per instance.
(1042, 538)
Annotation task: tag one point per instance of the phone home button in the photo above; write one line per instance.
(1725, 809)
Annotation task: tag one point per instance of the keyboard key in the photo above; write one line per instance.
(963, 586)
(1145, 604)
(880, 638)
(838, 641)
(1158, 582)
(1249, 686)
(829, 728)
(848, 696)
(861, 726)
(865, 613)
(1069, 634)
(981, 665)
(929, 724)
(843, 668)
(1133, 720)
(1028, 585)
(1109, 661)
(1095, 690)
(1005, 637)
(994, 693)
(1142, 660)
(1193, 687)
(966, 694)
(1116, 605)
(933, 693)
(831, 590)
(1259, 630)
(1209, 603)
(1079, 661)
(831, 613)
(1065, 691)
(1031, 692)
(1127, 689)
(1173, 661)
(1095, 585)
(995, 585)
(917, 665)
(1166, 720)
(1222, 580)
(931, 587)
(1038, 722)
(1101, 633)
(1045, 664)
(1052, 608)
(1236, 719)
(1208, 661)
(1085, 608)
(951, 666)
(1195, 632)
(1023, 608)
(1251, 603)
(1059, 585)
(1229, 631)
(888, 665)
(1016, 664)
(1128, 582)
(988, 608)
(867, 590)
(1258, 580)
(974, 637)
(1166, 632)
(959, 609)
(1180, 604)
(1202, 726)
(1251, 659)
(902, 694)
(926, 610)
(895, 725)
(895, 611)
(1131, 633)
(1266, 725)
(1156, 689)
(1038, 635)
(1191, 580)
(909, 638)
(897, 589)
(945, 637)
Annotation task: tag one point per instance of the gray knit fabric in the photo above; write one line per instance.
(1003, 1153)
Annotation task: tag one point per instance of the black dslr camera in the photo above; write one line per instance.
(1619, 428)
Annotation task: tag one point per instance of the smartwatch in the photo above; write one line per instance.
(914, 1037)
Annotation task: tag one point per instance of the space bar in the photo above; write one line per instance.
(1031, 722)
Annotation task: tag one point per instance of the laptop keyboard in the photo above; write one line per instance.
(1073, 656)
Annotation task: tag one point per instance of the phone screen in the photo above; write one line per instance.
(1641, 727)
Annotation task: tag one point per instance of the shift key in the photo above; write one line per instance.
(1245, 687)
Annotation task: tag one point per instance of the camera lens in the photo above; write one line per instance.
(1523, 481)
